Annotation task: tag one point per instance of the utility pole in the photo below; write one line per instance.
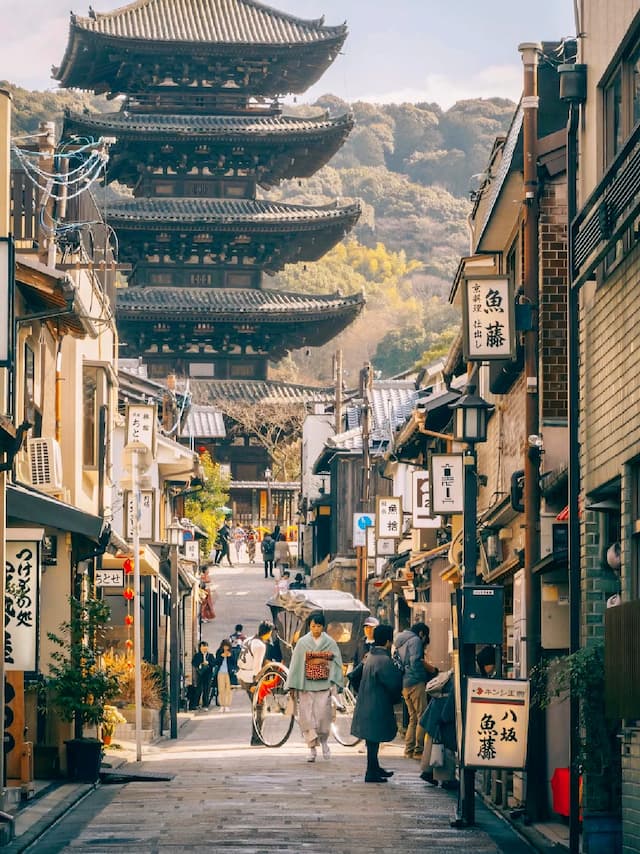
(530, 52)
(366, 377)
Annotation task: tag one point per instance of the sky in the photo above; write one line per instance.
(397, 50)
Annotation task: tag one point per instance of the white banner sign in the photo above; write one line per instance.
(109, 578)
(192, 550)
(447, 483)
(361, 523)
(145, 531)
(386, 547)
(422, 516)
(488, 313)
(21, 605)
(389, 518)
(141, 424)
(497, 723)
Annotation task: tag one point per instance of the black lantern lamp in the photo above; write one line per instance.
(471, 415)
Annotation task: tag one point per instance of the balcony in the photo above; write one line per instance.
(609, 211)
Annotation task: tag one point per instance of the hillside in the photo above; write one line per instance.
(412, 167)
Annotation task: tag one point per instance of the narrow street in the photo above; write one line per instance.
(226, 795)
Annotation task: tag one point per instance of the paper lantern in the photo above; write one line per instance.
(128, 620)
(128, 593)
(128, 566)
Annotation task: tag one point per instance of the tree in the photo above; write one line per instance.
(203, 507)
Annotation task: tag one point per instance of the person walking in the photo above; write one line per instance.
(410, 646)
(225, 668)
(237, 638)
(239, 539)
(380, 689)
(282, 554)
(268, 548)
(224, 536)
(252, 539)
(366, 642)
(203, 663)
(315, 669)
(250, 662)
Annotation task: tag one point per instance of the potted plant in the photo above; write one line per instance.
(111, 717)
(80, 686)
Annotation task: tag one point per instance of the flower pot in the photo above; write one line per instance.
(83, 759)
(106, 738)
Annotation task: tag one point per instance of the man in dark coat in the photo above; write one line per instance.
(380, 689)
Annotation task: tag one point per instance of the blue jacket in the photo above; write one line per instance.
(410, 649)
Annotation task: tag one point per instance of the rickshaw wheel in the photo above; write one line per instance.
(271, 708)
(342, 716)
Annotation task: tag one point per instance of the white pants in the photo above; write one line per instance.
(314, 715)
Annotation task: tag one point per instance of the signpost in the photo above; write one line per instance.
(389, 518)
(447, 484)
(497, 723)
(488, 318)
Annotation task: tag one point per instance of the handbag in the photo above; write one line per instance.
(437, 755)
(436, 685)
(316, 665)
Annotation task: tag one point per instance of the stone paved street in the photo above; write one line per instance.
(228, 796)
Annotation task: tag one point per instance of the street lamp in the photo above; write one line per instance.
(470, 418)
(268, 476)
(175, 536)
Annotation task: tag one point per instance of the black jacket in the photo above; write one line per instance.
(380, 688)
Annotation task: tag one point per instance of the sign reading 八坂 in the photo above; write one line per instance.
(389, 518)
(488, 318)
(497, 723)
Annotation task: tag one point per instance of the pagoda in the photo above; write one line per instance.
(200, 129)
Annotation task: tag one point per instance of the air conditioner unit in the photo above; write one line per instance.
(45, 462)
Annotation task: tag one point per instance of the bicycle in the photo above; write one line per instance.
(273, 710)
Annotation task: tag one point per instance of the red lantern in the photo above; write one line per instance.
(128, 620)
(128, 566)
(128, 593)
(128, 644)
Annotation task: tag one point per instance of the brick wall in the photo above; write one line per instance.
(553, 299)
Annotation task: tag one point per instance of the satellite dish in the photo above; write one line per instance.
(614, 556)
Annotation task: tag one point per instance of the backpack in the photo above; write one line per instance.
(268, 547)
(398, 661)
(245, 657)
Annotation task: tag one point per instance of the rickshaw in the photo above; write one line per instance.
(273, 710)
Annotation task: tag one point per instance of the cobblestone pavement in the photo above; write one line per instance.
(229, 796)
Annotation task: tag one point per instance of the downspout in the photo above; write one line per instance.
(58, 392)
(530, 52)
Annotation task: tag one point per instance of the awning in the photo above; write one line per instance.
(149, 560)
(34, 507)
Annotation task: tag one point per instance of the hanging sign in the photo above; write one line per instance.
(389, 518)
(109, 578)
(145, 515)
(447, 483)
(488, 313)
(361, 523)
(386, 547)
(141, 425)
(422, 515)
(22, 576)
(497, 723)
(192, 550)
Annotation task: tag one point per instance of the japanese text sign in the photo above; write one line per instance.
(389, 518)
(488, 319)
(447, 483)
(361, 523)
(141, 425)
(192, 550)
(422, 515)
(497, 723)
(109, 578)
(21, 605)
(145, 515)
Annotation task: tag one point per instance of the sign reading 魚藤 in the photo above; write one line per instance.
(361, 524)
(389, 518)
(447, 484)
(497, 723)
(22, 575)
(488, 318)
(422, 515)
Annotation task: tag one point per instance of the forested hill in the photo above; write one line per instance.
(412, 166)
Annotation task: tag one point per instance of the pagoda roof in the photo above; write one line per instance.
(318, 139)
(207, 392)
(231, 304)
(185, 214)
(206, 27)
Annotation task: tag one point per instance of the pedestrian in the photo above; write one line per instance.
(486, 661)
(282, 554)
(410, 647)
(225, 668)
(316, 668)
(250, 661)
(374, 717)
(298, 582)
(282, 584)
(203, 662)
(268, 547)
(224, 536)
(237, 638)
(366, 642)
(438, 763)
(239, 539)
(207, 611)
(252, 539)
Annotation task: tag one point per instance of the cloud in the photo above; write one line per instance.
(494, 81)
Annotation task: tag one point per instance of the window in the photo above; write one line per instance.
(90, 417)
(242, 371)
(202, 369)
(621, 103)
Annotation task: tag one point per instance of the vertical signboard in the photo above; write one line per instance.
(488, 312)
(141, 425)
(389, 518)
(146, 515)
(22, 579)
(422, 515)
(497, 723)
(447, 483)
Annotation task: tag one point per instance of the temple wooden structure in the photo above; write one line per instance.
(200, 133)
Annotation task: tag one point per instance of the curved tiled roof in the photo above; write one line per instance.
(206, 22)
(225, 213)
(231, 303)
(256, 391)
(260, 127)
